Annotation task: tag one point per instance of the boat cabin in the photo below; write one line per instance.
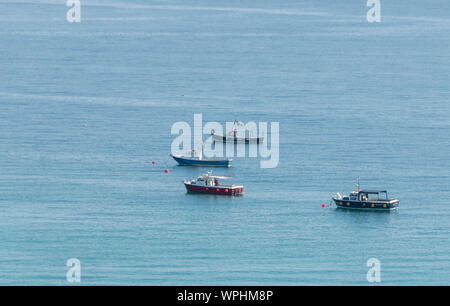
(209, 183)
(206, 180)
(368, 195)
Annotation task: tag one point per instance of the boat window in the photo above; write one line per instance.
(370, 196)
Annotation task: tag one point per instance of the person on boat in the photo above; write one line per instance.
(216, 182)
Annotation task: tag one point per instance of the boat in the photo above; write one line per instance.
(233, 137)
(196, 159)
(208, 183)
(366, 200)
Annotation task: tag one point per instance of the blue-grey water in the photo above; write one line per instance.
(85, 108)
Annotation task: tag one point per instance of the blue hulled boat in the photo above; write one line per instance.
(207, 162)
(199, 160)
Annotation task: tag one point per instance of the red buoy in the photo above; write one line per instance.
(323, 205)
(153, 162)
(166, 171)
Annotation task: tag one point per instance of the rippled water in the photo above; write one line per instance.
(85, 108)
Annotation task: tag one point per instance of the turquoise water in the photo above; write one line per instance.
(85, 108)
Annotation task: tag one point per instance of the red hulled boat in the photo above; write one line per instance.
(209, 183)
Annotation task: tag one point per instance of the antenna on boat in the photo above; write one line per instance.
(357, 185)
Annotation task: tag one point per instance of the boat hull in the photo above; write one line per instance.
(202, 162)
(367, 205)
(219, 190)
(232, 139)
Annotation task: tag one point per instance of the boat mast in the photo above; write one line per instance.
(236, 124)
(357, 185)
(200, 155)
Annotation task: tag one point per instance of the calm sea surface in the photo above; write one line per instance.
(85, 108)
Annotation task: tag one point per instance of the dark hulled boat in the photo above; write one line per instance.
(209, 183)
(366, 200)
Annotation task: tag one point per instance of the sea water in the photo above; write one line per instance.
(86, 107)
